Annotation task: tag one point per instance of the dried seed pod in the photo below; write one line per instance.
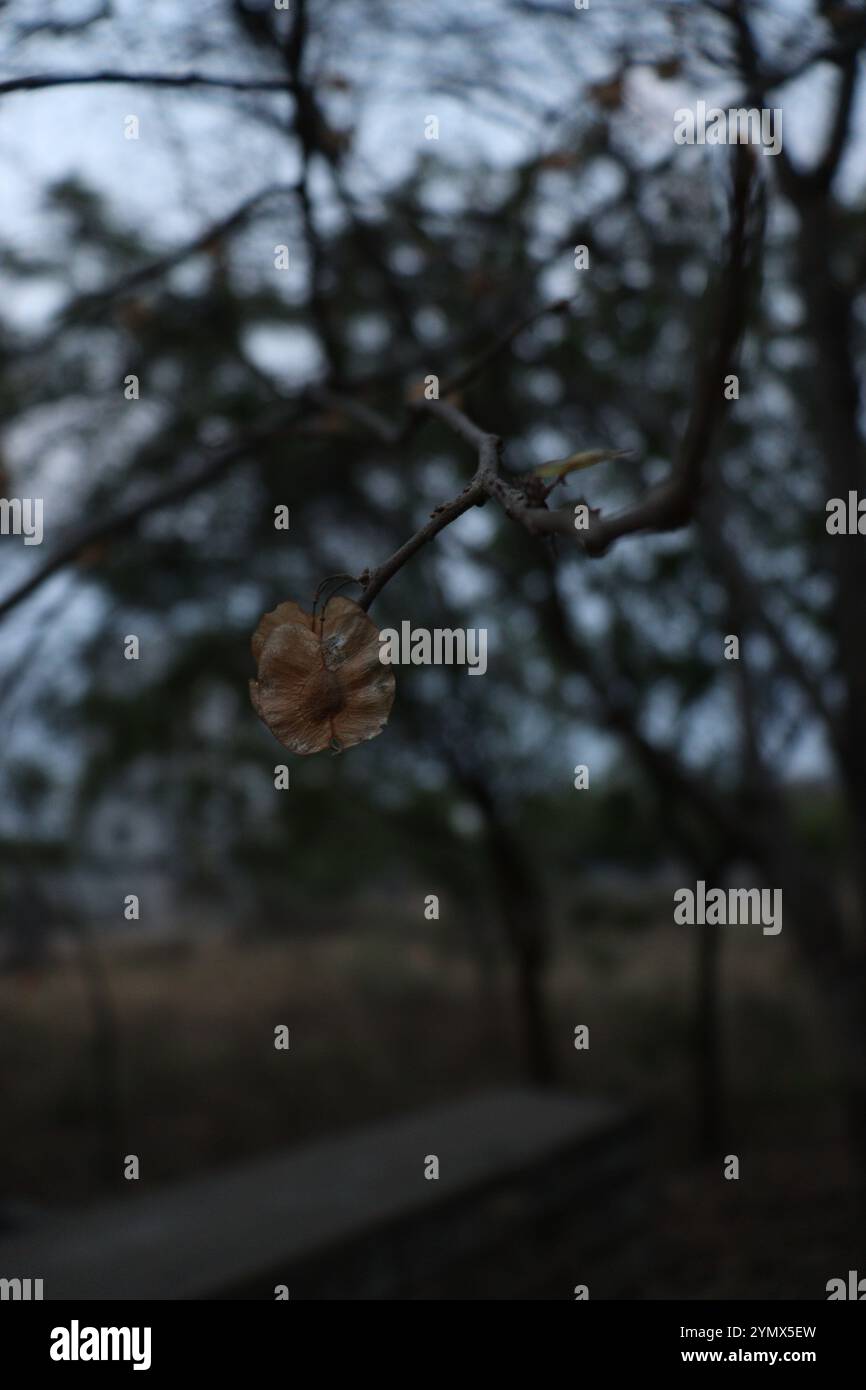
(320, 682)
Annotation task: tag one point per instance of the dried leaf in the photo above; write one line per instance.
(608, 95)
(320, 682)
(558, 468)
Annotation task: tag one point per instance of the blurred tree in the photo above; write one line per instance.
(260, 391)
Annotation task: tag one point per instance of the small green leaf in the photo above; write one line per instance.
(558, 468)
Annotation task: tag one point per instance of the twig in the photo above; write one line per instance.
(38, 81)
(108, 528)
(672, 503)
(668, 506)
(486, 482)
(156, 268)
(484, 359)
(364, 415)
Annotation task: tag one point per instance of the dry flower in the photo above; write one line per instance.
(320, 682)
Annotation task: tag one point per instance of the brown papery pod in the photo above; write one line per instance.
(320, 682)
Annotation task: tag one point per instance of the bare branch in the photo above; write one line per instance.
(479, 364)
(40, 81)
(475, 494)
(126, 284)
(308, 126)
(374, 581)
(364, 415)
(485, 483)
(667, 507)
(760, 80)
(746, 595)
(822, 176)
(672, 503)
(120, 523)
(840, 53)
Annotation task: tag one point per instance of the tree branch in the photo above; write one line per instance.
(97, 299)
(40, 81)
(128, 518)
(822, 176)
(483, 360)
(672, 503)
(668, 506)
(374, 581)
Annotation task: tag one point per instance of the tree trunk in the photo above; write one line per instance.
(105, 1052)
(710, 1105)
(523, 911)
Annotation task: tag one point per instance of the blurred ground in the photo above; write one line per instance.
(397, 1017)
(781, 1234)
